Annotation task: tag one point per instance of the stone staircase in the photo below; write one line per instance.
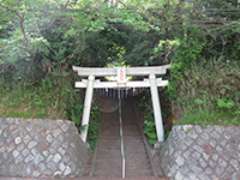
(108, 156)
(107, 163)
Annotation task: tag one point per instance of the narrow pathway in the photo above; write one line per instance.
(137, 161)
(108, 155)
(108, 161)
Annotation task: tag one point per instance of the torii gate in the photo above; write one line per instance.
(121, 74)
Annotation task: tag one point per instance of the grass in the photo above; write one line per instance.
(208, 93)
(205, 117)
(51, 99)
(195, 113)
(32, 102)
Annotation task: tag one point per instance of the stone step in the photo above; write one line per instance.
(109, 153)
(127, 178)
(109, 144)
(87, 178)
(110, 132)
(108, 167)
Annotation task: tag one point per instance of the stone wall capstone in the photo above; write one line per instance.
(41, 148)
(202, 153)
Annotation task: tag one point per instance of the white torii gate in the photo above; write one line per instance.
(121, 74)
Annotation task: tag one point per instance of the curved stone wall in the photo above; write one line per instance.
(202, 153)
(40, 148)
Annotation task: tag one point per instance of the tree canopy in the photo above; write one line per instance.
(201, 39)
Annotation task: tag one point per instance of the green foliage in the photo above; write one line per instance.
(149, 129)
(40, 40)
(144, 105)
(209, 87)
(48, 99)
(206, 117)
(205, 65)
(225, 103)
(94, 127)
(64, 32)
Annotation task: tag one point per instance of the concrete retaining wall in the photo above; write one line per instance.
(202, 153)
(40, 148)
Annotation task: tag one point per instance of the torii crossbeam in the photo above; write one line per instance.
(121, 74)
